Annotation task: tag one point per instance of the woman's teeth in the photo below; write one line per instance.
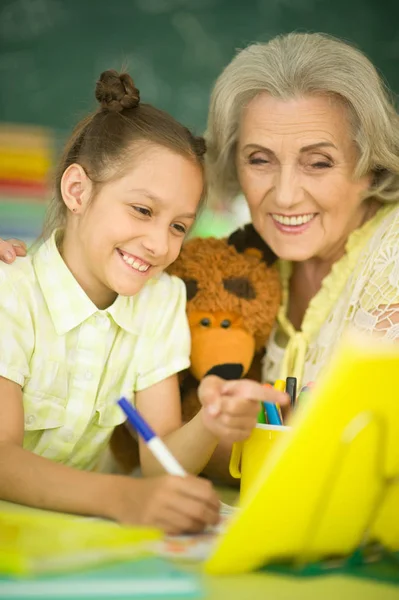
(292, 221)
(135, 264)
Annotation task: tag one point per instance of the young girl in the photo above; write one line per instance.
(91, 316)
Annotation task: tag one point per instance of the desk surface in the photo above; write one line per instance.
(265, 586)
(260, 586)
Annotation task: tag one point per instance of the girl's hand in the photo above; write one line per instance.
(10, 249)
(174, 504)
(230, 408)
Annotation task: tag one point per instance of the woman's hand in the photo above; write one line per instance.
(10, 249)
(230, 408)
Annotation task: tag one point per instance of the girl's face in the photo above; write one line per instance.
(296, 162)
(135, 226)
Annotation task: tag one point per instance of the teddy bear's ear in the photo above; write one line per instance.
(249, 241)
(191, 288)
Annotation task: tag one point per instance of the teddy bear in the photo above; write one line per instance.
(233, 295)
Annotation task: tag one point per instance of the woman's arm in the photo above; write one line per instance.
(10, 249)
(386, 321)
(175, 504)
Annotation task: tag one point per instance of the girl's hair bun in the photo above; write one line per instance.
(199, 144)
(116, 91)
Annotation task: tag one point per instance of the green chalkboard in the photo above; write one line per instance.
(51, 51)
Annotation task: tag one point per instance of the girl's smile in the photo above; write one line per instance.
(134, 262)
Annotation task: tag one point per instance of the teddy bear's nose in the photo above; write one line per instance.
(225, 323)
(227, 371)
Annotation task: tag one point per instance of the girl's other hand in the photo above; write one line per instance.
(230, 408)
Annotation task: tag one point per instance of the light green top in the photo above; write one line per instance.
(73, 361)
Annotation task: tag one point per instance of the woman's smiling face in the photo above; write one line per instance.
(295, 162)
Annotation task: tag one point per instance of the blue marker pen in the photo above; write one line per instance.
(153, 442)
(272, 413)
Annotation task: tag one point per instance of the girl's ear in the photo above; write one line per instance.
(76, 188)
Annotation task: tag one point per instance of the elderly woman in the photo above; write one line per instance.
(303, 127)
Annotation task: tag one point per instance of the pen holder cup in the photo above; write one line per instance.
(247, 457)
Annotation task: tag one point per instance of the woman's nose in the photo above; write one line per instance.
(286, 187)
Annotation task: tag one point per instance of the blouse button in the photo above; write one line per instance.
(30, 419)
(102, 322)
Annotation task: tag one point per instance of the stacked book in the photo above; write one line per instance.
(26, 157)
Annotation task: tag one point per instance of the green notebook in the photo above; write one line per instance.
(146, 578)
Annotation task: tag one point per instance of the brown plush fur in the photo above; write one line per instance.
(232, 284)
(206, 265)
(209, 261)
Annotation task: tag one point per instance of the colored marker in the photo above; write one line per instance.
(261, 415)
(273, 416)
(290, 388)
(153, 442)
(279, 385)
(303, 393)
(272, 412)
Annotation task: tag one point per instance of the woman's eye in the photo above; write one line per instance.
(320, 164)
(258, 161)
(143, 211)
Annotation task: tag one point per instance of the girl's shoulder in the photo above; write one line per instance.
(18, 275)
(161, 304)
(163, 288)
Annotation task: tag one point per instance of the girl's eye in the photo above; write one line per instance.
(180, 228)
(142, 210)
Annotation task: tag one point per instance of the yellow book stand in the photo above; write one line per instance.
(331, 483)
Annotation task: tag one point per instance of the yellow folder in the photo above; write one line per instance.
(332, 482)
(34, 542)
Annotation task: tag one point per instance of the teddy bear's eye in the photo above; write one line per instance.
(191, 288)
(205, 322)
(240, 287)
(225, 324)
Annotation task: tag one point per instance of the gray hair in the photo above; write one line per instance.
(297, 65)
